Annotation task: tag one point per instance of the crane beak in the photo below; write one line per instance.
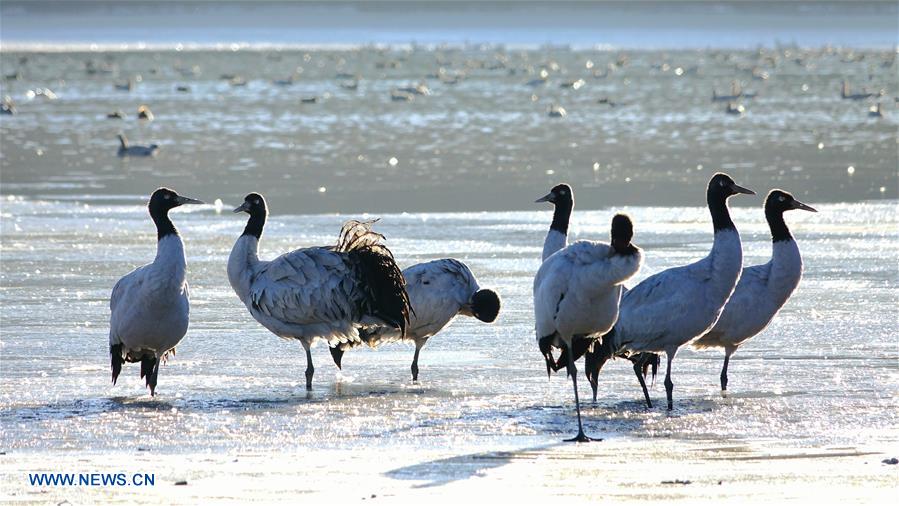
(241, 208)
(800, 205)
(546, 198)
(739, 189)
(187, 200)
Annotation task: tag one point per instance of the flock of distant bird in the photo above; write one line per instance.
(353, 293)
(408, 93)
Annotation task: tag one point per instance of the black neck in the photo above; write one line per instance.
(255, 224)
(164, 225)
(561, 216)
(779, 230)
(720, 215)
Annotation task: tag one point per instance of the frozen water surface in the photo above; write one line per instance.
(812, 407)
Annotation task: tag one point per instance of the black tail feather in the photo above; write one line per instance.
(337, 355)
(597, 357)
(546, 349)
(647, 360)
(115, 353)
(149, 369)
(382, 279)
(580, 345)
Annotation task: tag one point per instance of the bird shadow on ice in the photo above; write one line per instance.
(630, 411)
(552, 421)
(462, 467)
(77, 408)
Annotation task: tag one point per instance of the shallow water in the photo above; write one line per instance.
(822, 379)
(812, 410)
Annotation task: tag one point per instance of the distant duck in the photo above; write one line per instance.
(539, 81)
(763, 289)
(350, 85)
(308, 100)
(392, 64)
(182, 88)
(846, 95)
(416, 89)
(735, 109)
(184, 71)
(573, 85)
(323, 293)
(144, 113)
(102, 68)
(150, 306)
(576, 293)
(237, 81)
(127, 150)
(125, 86)
(401, 96)
(289, 81)
(759, 74)
(8, 107)
(557, 111)
(607, 101)
(45, 93)
(672, 308)
(438, 290)
(117, 114)
(875, 111)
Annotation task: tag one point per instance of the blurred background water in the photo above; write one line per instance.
(296, 101)
(316, 128)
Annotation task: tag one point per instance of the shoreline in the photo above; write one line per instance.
(230, 46)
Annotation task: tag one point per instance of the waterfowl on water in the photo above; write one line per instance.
(127, 150)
